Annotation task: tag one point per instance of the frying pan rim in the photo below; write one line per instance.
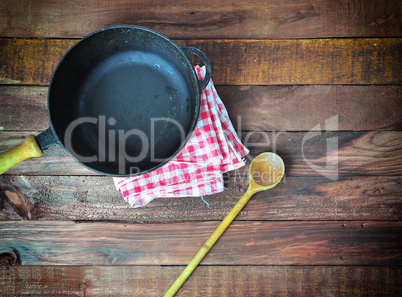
(193, 121)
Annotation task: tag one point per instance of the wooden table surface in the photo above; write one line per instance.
(318, 82)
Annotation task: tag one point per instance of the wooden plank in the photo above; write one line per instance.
(312, 153)
(244, 243)
(240, 62)
(302, 108)
(335, 154)
(211, 19)
(296, 198)
(30, 61)
(239, 281)
(306, 61)
(270, 108)
(29, 103)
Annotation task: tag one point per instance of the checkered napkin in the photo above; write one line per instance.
(214, 148)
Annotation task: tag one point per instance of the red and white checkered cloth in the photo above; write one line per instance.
(214, 148)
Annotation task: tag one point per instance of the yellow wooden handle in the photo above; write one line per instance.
(209, 243)
(29, 148)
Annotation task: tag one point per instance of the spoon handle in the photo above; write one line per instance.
(209, 243)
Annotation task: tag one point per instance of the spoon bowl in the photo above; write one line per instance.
(266, 171)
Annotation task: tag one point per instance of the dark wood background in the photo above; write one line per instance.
(283, 69)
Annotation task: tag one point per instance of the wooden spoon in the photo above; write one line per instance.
(265, 172)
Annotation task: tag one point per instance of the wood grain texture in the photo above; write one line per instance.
(331, 107)
(206, 281)
(211, 19)
(24, 108)
(302, 108)
(240, 62)
(30, 61)
(295, 198)
(304, 61)
(243, 243)
(269, 108)
(327, 153)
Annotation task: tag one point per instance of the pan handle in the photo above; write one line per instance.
(192, 50)
(29, 148)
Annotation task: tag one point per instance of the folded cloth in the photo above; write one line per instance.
(213, 148)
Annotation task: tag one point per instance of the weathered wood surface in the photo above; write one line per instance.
(330, 154)
(298, 108)
(209, 19)
(330, 106)
(269, 108)
(296, 198)
(243, 243)
(257, 62)
(150, 281)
